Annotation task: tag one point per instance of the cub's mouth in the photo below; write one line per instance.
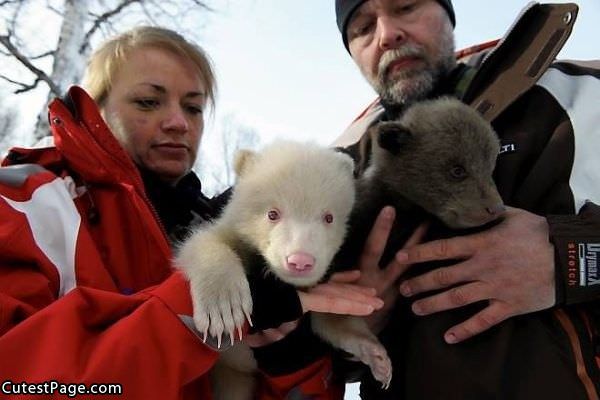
(472, 218)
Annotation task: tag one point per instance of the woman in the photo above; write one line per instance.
(87, 289)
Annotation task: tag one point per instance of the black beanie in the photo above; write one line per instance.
(345, 8)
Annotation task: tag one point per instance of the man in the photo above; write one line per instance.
(514, 314)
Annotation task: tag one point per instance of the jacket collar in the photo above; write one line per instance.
(86, 142)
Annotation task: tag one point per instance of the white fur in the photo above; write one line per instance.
(303, 182)
(220, 296)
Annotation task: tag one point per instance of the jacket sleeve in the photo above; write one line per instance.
(297, 366)
(576, 240)
(94, 336)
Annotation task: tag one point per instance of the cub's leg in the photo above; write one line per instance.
(352, 335)
(218, 284)
(233, 376)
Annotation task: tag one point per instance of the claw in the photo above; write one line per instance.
(239, 329)
(219, 341)
(231, 336)
(248, 317)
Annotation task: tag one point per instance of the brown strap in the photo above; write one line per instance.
(521, 58)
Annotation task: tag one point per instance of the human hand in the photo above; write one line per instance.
(383, 280)
(511, 265)
(341, 294)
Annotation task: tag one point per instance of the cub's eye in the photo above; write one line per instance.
(458, 172)
(273, 215)
(328, 218)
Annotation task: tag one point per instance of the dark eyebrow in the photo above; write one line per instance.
(162, 90)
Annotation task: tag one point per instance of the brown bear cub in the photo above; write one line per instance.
(436, 159)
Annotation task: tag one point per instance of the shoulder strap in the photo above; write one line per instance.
(521, 57)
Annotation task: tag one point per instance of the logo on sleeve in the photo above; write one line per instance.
(508, 148)
(583, 264)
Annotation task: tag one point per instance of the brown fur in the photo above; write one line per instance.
(414, 158)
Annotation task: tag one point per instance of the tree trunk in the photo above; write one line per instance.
(69, 63)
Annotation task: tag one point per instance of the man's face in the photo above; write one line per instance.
(155, 109)
(402, 47)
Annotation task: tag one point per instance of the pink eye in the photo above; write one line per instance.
(273, 214)
(328, 218)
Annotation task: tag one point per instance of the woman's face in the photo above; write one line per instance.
(155, 109)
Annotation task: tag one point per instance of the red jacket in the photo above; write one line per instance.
(87, 290)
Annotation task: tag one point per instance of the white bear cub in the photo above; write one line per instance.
(290, 204)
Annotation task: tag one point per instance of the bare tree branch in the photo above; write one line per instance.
(24, 87)
(54, 10)
(147, 13)
(7, 2)
(15, 16)
(202, 4)
(46, 54)
(41, 75)
(27, 88)
(101, 19)
(8, 122)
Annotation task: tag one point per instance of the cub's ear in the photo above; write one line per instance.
(345, 160)
(392, 136)
(243, 160)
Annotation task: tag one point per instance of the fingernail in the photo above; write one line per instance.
(388, 211)
(405, 290)
(416, 308)
(450, 338)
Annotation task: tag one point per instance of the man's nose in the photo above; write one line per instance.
(390, 34)
(175, 121)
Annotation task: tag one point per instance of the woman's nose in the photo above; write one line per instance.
(175, 121)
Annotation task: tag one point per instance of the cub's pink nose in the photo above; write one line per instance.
(300, 262)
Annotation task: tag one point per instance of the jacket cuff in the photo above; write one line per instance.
(274, 302)
(174, 292)
(576, 240)
(299, 349)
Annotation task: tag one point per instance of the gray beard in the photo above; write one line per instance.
(409, 88)
(414, 85)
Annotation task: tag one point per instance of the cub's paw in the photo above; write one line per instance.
(222, 302)
(373, 354)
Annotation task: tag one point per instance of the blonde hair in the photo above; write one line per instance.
(106, 61)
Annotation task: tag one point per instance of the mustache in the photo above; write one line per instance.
(387, 58)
